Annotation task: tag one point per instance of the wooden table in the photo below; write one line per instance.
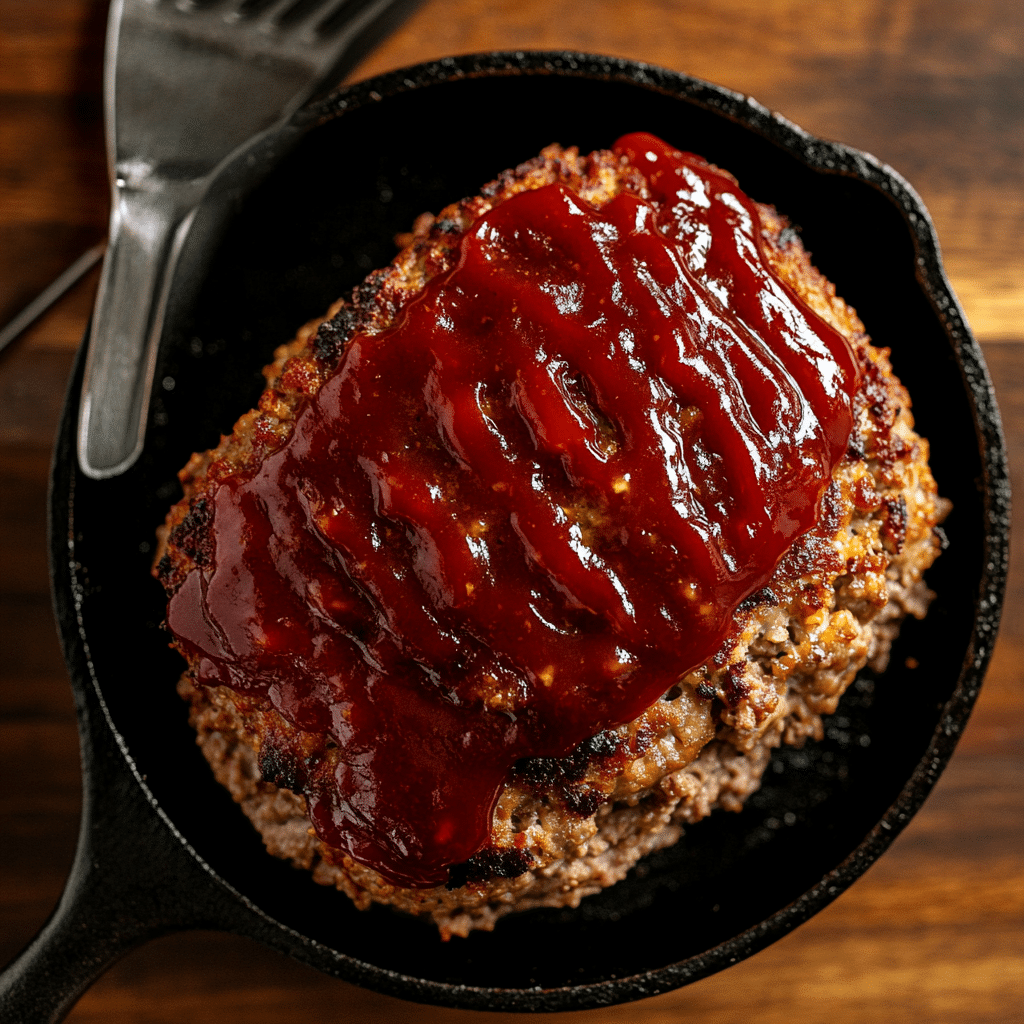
(936, 89)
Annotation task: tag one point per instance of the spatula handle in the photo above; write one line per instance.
(147, 230)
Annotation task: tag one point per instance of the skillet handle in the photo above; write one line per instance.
(132, 880)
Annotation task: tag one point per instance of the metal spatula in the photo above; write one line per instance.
(190, 84)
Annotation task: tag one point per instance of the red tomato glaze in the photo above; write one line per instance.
(517, 517)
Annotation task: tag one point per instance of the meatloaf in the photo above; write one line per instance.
(562, 827)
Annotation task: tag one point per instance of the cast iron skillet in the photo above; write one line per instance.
(162, 845)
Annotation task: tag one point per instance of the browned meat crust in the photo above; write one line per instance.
(564, 828)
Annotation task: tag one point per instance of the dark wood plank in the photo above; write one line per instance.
(1006, 366)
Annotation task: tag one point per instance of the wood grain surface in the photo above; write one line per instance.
(935, 88)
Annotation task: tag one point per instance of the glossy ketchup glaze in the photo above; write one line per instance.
(518, 516)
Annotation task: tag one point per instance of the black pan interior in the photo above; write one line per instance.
(321, 220)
